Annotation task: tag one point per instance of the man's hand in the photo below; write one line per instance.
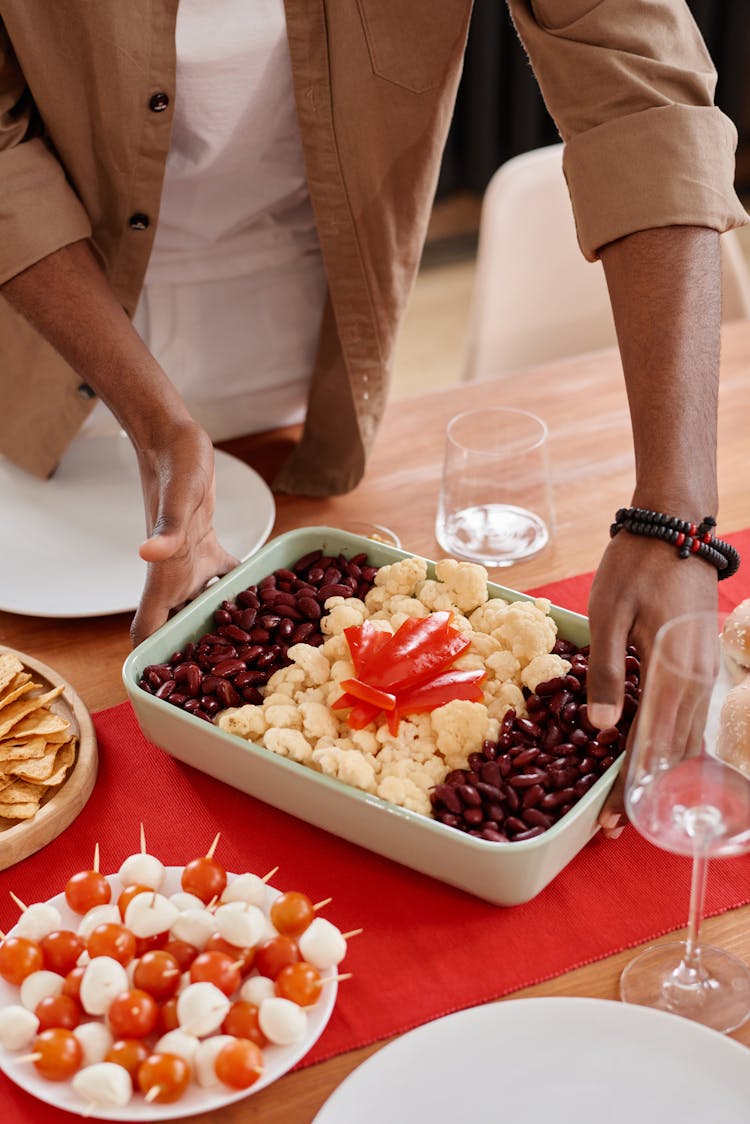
(182, 549)
(640, 584)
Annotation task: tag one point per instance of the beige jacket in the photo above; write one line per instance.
(85, 129)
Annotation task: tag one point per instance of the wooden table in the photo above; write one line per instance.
(583, 400)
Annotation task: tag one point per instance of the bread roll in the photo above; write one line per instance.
(733, 745)
(735, 636)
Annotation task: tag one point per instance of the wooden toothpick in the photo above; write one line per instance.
(214, 845)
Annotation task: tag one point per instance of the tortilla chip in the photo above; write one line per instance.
(36, 770)
(22, 749)
(15, 690)
(10, 666)
(22, 707)
(18, 812)
(20, 792)
(46, 724)
(63, 761)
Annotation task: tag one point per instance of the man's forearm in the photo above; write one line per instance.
(70, 302)
(665, 287)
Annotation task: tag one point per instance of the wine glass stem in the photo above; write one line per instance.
(691, 961)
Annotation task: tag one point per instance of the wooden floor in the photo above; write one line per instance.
(430, 350)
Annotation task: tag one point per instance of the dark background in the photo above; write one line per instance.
(500, 112)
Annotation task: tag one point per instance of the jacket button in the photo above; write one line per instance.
(139, 221)
(158, 102)
(85, 391)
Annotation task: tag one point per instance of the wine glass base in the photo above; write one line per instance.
(717, 995)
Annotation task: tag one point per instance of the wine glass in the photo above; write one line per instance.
(683, 798)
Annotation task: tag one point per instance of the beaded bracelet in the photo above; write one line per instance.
(689, 538)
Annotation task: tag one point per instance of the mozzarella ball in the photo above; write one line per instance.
(185, 901)
(178, 1042)
(282, 1021)
(246, 888)
(204, 1061)
(195, 926)
(103, 979)
(242, 927)
(39, 985)
(99, 915)
(18, 1027)
(257, 988)
(149, 914)
(37, 921)
(104, 1083)
(201, 1009)
(96, 1041)
(142, 870)
(322, 944)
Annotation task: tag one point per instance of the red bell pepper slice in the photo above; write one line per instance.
(368, 694)
(364, 641)
(456, 684)
(361, 715)
(420, 648)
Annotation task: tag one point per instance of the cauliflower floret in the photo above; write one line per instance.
(276, 698)
(376, 599)
(283, 717)
(247, 722)
(484, 645)
(401, 577)
(489, 616)
(342, 669)
(460, 728)
(365, 741)
(289, 743)
(335, 648)
(404, 792)
(435, 596)
(469, 661)
(317, 720)
(466, 581)
(526, 631)
(504, 696)
(542, 668)
(348, 765)
(342, 613)
(503, 665)
(402, 605)
(312, 661)
(286, 680)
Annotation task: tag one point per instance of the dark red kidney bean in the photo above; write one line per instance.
(260, 636)
(529, 728)
(331, 576)
(227, 695)
(193, 681)
(473, 816)
(368, 573)
(450, 819)
(608, 736)
(175, 658)
(269, 582)
(248, 599)
(285, 575)
(543, 760)
(562, 778)
(447, 797)
(531, 833)
(246, 618)
(568, 715)
(583, 784)
(234, 632)
(570, 683)
(513, 824)
(166, 689)
(179, 698)
(525, 780)
(222, 617)
(493, 836)
(559, 700)
(550, 686)
(146, 686)
(353, 571)
(491, 773)
(288, 612)
(269, 596)
(362, 590)
(632, 665)
(494, 811)
(489, 791)
(532, 796)
(327, 591)
(551, 737)
(189, 650)
(596, 750)
(456, 776)
(189, 705)
(504, 764)
(286, 628)
(605, 763)
(154, 681)
(505, 741)
(583, 719)
(526, 757)
(506, 724)
(157, 671)
(588, 764)
(251, 678)
(210, 704)
(309, 607)
(269, 621)
(629, 706)
(469, 795)
(315, 640)
(315, 575)
(475, 760)
(252, 695)
(359, 559)
(303, 632)
(265, 659)
(512, 799)
(180, 672)
(221, 652)
(578, 738)
(227, 669)
(558, 799)
(534, 818)
(306, 561)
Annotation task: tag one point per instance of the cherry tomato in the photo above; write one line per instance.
(242, 1022)
(292, 912)
(239, 1064)
(112, 940)
(86, 889)
(58, 1010)
(299, 982)
(61, 950)
(19, 957)
(158, 973)
(216, 968)
(59, 1052)
(72, 982)
(127, 896)
(204, 877)
(132, 1014)
(183, 952)
(166, 1073)
(148, 944)
(167, 1019)
(130, 1053)
(274, 954)
(246, 956)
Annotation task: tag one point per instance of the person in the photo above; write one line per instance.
(285, 161)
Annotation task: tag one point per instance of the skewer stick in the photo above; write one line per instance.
(319, 905)
(213, 901)
(96, 858)
(337, 979)
(21, 905)
(352, 933)
(2, 935)
(214, 845)
(152, 1094)
(30, 1057)
(269, 875)
(143, 840)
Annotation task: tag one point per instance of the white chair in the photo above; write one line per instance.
(535, 296)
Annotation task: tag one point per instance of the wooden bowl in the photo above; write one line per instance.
(61, 808)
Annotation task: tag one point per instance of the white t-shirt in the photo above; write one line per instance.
(235, 287)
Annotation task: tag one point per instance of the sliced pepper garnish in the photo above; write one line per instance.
(366, 693)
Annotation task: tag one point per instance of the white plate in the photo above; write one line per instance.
(574, 1061)
(69, 545)
(277, 1059)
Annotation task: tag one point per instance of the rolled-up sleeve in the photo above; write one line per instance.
(39, 210)
(630, 86)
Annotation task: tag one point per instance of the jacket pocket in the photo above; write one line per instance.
(413, 42)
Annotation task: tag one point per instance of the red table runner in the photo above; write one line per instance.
(427, 949)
